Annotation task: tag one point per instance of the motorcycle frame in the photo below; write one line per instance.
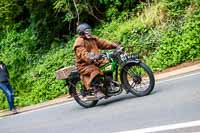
(110, 67)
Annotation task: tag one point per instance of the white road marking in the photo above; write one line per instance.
(165, 127)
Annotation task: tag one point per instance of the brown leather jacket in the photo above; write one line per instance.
(88, 69)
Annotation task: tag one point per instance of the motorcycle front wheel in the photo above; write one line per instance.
(138, 79)
(79, 97)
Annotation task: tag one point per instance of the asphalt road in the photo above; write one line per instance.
(174, 100)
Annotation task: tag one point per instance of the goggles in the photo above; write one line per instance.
(88, 31)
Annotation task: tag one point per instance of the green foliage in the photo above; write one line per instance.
(134, 35)
(178, 45)
(44, 22)
(16, 51)
(44, 85)
(33, 73)
(2, 100)
(6, 11)
(177, 7)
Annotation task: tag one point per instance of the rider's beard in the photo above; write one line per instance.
(88, 36)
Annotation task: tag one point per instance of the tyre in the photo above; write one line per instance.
(138, 79)
(78, 94)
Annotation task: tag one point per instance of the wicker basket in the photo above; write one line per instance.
(64, 73)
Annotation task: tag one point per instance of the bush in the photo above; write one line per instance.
(178, 45)
(32, 71)
(16, 52)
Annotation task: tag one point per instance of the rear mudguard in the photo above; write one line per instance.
(130, 62)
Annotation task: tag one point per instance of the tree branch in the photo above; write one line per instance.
(76, 12)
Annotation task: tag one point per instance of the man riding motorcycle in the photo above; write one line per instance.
(87, 54)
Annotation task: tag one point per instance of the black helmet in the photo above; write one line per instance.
(82, 27)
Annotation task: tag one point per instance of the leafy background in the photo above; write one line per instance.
(37, 37)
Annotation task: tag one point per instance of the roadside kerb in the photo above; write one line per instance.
(38, 106)
(180, 71)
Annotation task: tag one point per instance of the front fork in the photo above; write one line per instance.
(135, 61)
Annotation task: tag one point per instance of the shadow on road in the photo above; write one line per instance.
(121, 98)
(116, 99)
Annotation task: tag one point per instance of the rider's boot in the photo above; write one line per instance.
(98, 95)
(96, 86)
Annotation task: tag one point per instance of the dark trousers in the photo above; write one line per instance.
(7, 89)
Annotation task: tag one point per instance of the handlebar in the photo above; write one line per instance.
(113, 54)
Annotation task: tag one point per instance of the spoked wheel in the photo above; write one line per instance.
(79, 94)
(138, 79)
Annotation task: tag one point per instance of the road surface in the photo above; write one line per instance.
(173, 106)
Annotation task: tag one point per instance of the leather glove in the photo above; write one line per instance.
(117, 46)
(93, 56)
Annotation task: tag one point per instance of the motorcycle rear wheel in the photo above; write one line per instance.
(76, 93)
(138, 79)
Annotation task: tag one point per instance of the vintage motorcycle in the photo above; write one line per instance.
(135, 77)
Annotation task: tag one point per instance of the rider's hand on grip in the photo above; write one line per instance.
(116, 45)
(92, 56)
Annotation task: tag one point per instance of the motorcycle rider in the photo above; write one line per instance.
(86, 48)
